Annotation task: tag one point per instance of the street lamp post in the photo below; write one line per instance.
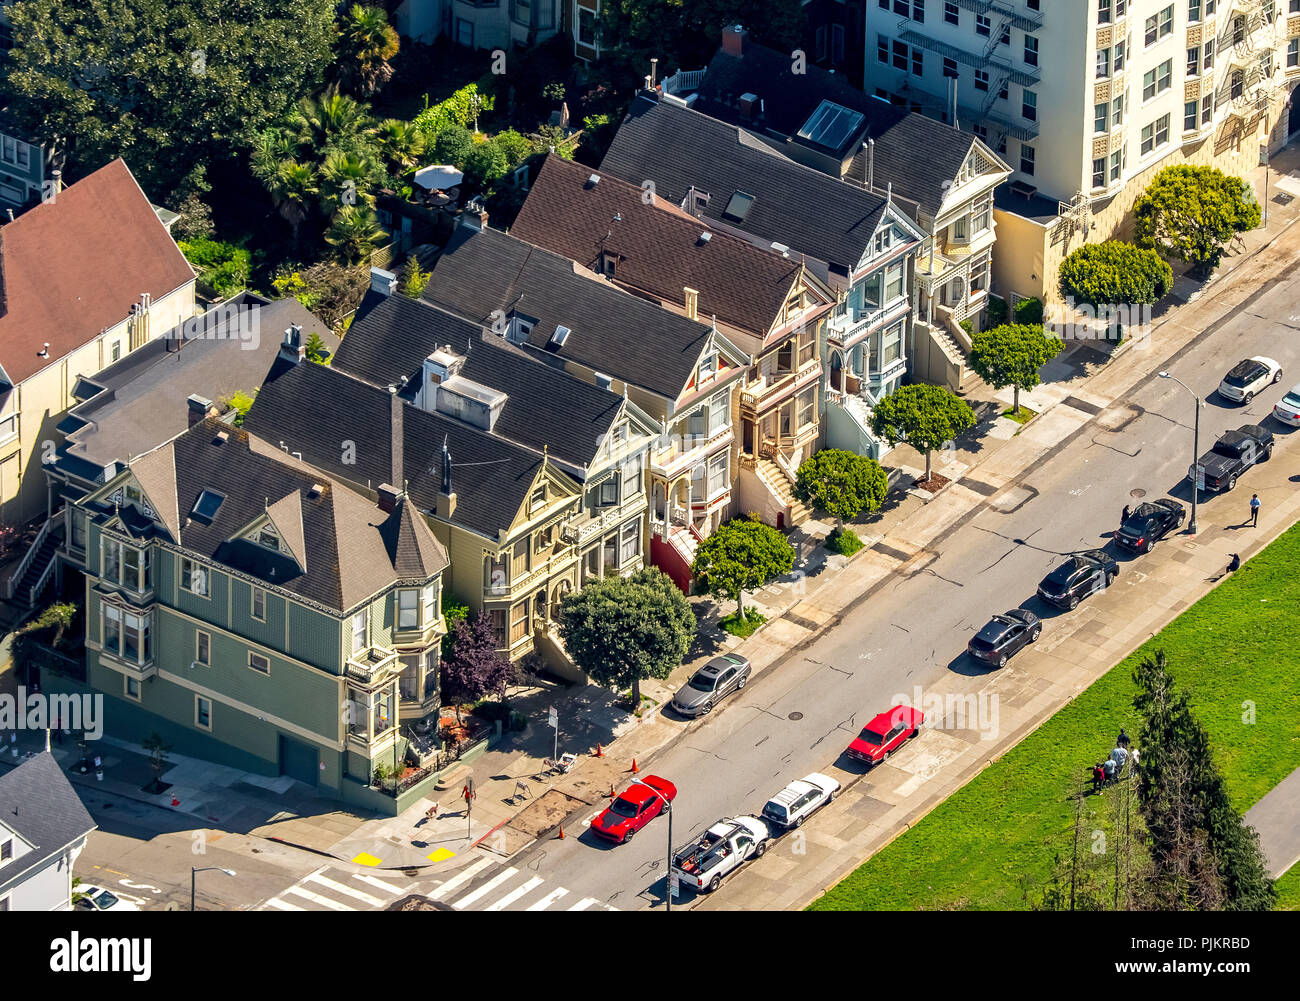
(1196, 451)
(668, 873)
(211, 868)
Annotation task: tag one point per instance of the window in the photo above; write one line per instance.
(1238, 84)
(408, 609)
(259, 604)
(1189, 116)
(268, 537)
(586, 27)
(960, 232)
(983, 216)
(629, 545)
(202, 712)
(891, 345)
(633, 482)
(1119, 56)
(785, 358)
(607, 493)
(718, 479)
(708, 366)
(522, 561)
(952, 13)
(1117, 112)
(1029, 106)
(495, 572)
(894, 282)
(1193, 11)
(1103, 63)
(1117, 160)
(1099, 117)
(1194, 60)
(1207, 109)
(194, 578)
(538, 500)
(1005, 37)
(807, 413)
(1293, 50)
(981, 80)
(1156, 134)
(6, 850)
(498, 619)
(1207, 63)
(719, 414)
(518, 622)
(1099, 173)
(950, 69)
(882, 48)
(259, 663)
(203, 648)
(131, 688)
(360, 639)
(1026, 159)
(125, 634)
(1156, 81)
(111, 628)
(115, 352)
(807, 346)
(983, 26)
(1159, 25)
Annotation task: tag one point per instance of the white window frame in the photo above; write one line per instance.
(199, 700)
(262, 657)
(255, 593)
(199, 636)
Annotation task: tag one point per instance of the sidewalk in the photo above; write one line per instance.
(1277, 818)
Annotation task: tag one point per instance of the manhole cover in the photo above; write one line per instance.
(795, 716)
(1137, 493)
(410, 873)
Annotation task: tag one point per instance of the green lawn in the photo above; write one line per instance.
(990, 845)
(742, 627)
(1288, 890)
(1023, 417)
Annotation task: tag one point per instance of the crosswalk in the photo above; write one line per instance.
(477, 887)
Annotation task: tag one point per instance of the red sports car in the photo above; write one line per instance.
(635, 807)
(886, 733)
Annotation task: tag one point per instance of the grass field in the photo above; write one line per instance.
(990, 845)
(1288, 890)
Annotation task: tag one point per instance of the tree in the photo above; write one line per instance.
(1012, 355)
(1201, 851)
(453, 145)
(1190, 213)
(354, 232)
(348, 179)
(330, 120)
(474, 668)
(366, 42)
(401, 144)
(922, 415)
(166, 84)
(841, 483)
(487, 162)
(157, 749)
(620, 630)
(414, 279)
(741, 556)
(1115, 273)
(316, 350)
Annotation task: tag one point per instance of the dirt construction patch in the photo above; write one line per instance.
(545, 814)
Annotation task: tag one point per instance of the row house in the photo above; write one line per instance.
(679, 371)
(255, 612)
(532, 480)
(43, 831)
(765, 302)
(860, 244)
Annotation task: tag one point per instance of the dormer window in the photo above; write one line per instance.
(708, 366)
(538, 499)
(268, 537)
(607, 264)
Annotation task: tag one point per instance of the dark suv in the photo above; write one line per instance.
(1004, 636)
(1080, 575)
(1150, 523)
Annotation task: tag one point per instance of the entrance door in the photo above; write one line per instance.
(299, 761)
(1293, 120)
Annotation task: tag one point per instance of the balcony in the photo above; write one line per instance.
(774, 387)
(849, 328)
(372, 665)
(684, 451)
(610, 518)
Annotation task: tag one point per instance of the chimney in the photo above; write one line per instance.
(692, 302)
(389, 495)
(870, 144)
(746, 105)
(292, 349)
(475, 216)
(383, 281)
(733, 40)
(446, 506)
(199, 409)
(57, 177)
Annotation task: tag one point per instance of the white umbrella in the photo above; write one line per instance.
(439, 177)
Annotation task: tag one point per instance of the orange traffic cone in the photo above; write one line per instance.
(561, 837)
(612, 794)
(175, 801)
(599, 752)
(634, 767)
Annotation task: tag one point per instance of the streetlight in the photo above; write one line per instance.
(210, 868)
(668, 873)
(1196, 450)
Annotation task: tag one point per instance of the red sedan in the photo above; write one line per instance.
(886, 733)
(635, 807)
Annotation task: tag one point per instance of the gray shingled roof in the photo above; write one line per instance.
(612, 331)
(38, 802)
(798, 206)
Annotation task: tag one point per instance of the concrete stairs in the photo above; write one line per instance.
(774, 478)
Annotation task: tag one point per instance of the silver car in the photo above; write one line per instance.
(711, 684)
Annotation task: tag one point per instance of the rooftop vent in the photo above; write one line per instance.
(592, 181)
(559, 337)
(221, 438)
(316, 490)
(704, 238)
(781, 249)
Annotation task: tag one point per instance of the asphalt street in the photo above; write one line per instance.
(798, 717)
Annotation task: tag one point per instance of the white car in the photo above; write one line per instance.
(1287, 409)
(99, 899)
(1246, 378)
(799, 800)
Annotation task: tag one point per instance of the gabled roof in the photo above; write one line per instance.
(38, 802)
(340, 554)
(808, 211)
(612, 331)
(313, 409)
(658, 248)
(73, 266)
(391, 336)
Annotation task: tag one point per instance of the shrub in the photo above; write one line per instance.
(453, 145)
(223, 267)
(1115, 273)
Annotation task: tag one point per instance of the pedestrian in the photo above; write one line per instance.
(1097, 776)
(1119, 756)
(1108, 771)
(1135, 760)
(1234, 563)
(1122, 739)
(1124, 517)
(1254, 510)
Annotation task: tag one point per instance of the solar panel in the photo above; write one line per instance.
(738, 207)
(831, 125)
(206, 506)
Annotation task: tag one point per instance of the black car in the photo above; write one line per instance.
(1080, 575)
(1149, 523)
(1004, 636)
(1232, 455)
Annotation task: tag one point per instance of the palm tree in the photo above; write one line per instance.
(323, 121)
(366, 42)
(354, 233)
(297, 189)
(272, 150)
(402, 144)
(348, 172)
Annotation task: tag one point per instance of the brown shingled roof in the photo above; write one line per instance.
(659, 247)
(73, 266)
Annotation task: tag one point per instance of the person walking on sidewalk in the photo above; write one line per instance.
(1254, 510)
(1124, 515)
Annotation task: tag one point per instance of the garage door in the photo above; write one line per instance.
(299, 761)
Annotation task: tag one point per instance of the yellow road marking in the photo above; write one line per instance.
(365, 858)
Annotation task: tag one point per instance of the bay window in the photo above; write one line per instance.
(892, 347)
(633, 481)
(718, 479)
(408, 609)
(126, 634)
(807, 412)
(629, 542)
(719, 414)
(894, 282)
(518, 622)
(131, 568)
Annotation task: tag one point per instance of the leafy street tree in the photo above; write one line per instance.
(165, 84)
(741, 556)
(841, 483)
(1115, 273)
(1202, 854)
(366, 42)
(1012, 355)
(354, 233)
(1190, 213)
(620, 630)
(922, 415)
(453, 145)
(473, 668)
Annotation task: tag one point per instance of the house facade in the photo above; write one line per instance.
(482, 24)
(22, 173)
(43, 829)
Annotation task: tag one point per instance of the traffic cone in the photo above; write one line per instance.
(561, 837)
(175, 801)
(612, 794)
(634, 767)
(599, 752)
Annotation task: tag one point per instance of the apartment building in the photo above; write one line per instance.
(1134, 86)
(766, 302)
(482, 24)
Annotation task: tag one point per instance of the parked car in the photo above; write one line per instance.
(885, 734)
(711, 684)
(633, 808)
(1232, 455)
(799, 800)
(1080, 575)
(1004, 636)
(720, 851)
(1147, 524)
(1287, 409)
(97, 898)
(1246, 378)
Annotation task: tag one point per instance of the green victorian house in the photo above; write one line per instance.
(258, 614)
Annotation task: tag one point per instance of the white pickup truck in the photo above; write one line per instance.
(719, 851)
